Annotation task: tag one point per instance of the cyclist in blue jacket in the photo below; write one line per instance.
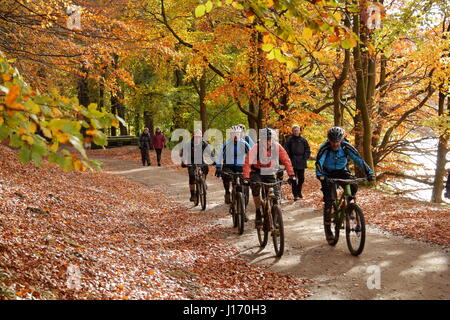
(332, 162)
(230, 158)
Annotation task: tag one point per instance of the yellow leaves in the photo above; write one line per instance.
(32, 127)
(307, 33)
(1, 120)
(47, 133)
(56, 113)
(62, 137)
(269, 3)
(115, 123)
(28, 139)
(334, 38)
(6, 77)
(78, 165)
(91, 132)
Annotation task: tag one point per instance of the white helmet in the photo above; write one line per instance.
(236, 129)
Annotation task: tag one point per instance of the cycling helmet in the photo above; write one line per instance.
(236, 129)
(242, 126)
(198, 133)
(267, 133)
(336, 134)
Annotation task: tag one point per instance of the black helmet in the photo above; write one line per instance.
(336, 134)
(266, 133)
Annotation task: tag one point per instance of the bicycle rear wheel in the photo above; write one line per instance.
(278, 230)
(202, 194)
(355, 229)
(263, 231)
(240, 212)
(333, 229)
(197, 196)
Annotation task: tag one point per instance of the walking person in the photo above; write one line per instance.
(144, 145)
(299, 152)
(159, 143)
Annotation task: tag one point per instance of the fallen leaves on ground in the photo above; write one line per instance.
(126, 240)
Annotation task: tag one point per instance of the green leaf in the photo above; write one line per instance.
(24, 155)
(208, 6)
(78, 145)
(267, 47)
(200, 11)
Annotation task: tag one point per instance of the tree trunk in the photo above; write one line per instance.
(361, 102)
(202, 97)
(116, 102)
(438, 184)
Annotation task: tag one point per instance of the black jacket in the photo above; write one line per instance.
(189, 156)
(145, 141)
(298, 151)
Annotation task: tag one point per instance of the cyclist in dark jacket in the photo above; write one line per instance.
(299, 152)
(144, 145)
(193, 152)
(332, 162)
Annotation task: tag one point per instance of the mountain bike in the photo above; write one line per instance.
(237, 205)
(272, 217)
(200, 184)
(345, 208)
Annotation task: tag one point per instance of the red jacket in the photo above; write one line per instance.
(252, 161)
(159, 140)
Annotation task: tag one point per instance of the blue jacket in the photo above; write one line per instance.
(232, 154)
(329, 161)
(250, 141)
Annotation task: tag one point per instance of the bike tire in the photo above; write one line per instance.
(240, 212)
(278, 230)
(263, 232)
(197, 196)
(360, 235)
(334, 226)
(233, 211)
(247, 195)
(203, 195)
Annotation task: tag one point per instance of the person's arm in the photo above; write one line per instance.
(354, 155)
(286, 161)
(288, 146)
(307, 149)
(219, 158)
(249, 159)
(320, 159)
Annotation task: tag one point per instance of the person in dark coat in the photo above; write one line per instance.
(299, 152)
(159, 143)
(144, 144)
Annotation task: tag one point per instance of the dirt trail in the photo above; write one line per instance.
(408, 269)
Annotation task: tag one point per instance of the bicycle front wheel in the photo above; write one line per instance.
(355, 229)
(240, 212)
(202, 187)
(277, 230)
(263, 231)
(197, 194)
(332, 231)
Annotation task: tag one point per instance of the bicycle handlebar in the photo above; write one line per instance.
(271, 184)
(348, 181)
